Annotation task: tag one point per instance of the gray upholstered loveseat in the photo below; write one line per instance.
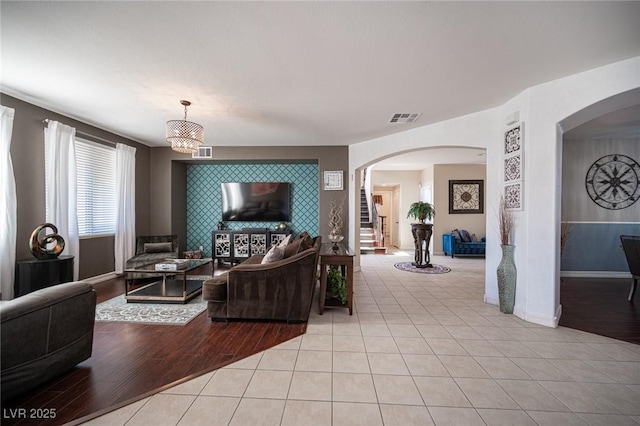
(281, 290)
(44, 334)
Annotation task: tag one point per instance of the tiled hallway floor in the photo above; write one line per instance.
(419, 350)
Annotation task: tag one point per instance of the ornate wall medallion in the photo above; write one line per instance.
(466, 196)
(613, 181)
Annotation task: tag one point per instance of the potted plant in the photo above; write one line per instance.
(421, 210)
(422, 232)
(506, 271)
(336, 285)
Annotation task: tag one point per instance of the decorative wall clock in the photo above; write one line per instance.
(333, 180)
(613, 181)
(466, 196)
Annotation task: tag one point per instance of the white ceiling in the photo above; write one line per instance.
(297, 73)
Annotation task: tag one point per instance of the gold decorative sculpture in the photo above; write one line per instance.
(38, 245)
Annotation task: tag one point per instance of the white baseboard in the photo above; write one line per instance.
(536, 319)
(491, 300)
(595, 274)
(100, 278)
(540, 320)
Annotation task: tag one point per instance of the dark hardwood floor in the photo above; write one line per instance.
(132, 361)
(600, 306)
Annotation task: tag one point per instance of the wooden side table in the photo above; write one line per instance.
(341, 257)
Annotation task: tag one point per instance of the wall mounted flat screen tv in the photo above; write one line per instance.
(256, 201)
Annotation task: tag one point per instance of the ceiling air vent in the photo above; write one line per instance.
(404, 118)
(203, 152)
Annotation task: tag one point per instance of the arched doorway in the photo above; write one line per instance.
(404, 175)
(593, 289)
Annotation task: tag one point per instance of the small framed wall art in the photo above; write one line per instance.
(333, 180)
(466, 196)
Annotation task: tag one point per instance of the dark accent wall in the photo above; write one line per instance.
(27, 155)
(168, 213)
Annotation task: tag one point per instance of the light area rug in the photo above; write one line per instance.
(118, 310)
(436, 269)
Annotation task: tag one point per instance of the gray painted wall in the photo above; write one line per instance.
(168, 181)
(27, 155)
(577, 157)
(594, 239)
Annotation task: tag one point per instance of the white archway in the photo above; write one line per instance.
(546, 110)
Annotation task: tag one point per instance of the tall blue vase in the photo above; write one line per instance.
(507, 276)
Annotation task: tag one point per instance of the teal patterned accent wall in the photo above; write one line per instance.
(204, 197)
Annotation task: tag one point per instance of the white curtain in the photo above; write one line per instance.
(125, 205)
(61, 186)
(8, 206)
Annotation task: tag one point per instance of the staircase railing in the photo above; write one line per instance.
(382, 230)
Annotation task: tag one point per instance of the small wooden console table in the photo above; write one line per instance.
(341, 257)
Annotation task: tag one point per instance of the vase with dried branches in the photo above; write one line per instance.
(506, 271)
(565, 229)
(336, 222)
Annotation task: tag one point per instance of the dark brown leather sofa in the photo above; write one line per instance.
(44, 334)
(282, 290)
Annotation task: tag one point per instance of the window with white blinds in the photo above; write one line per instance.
(96, 176)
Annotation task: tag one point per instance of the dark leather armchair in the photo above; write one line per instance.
(631, 247)
(282, 290)
(44, 334)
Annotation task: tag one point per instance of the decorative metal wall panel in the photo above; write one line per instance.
(513, 139)
(512, 168)
(513, 195)
(513, 174)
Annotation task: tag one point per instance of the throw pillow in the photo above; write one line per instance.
(307, 242)
(274, 254)
(456, 233)
(293, 248)
(464, 236)
(285, 242)
(303, 234)
(157, 247)
(474, 239)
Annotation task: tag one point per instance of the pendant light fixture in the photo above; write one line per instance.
(185, 136)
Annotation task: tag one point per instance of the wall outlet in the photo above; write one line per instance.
(201, 248)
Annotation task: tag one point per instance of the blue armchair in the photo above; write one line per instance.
(452, 244)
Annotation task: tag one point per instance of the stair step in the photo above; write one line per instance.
(373, 250)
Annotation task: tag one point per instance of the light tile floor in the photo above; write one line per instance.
(419, 349)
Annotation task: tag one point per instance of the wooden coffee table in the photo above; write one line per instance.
(173, 287)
